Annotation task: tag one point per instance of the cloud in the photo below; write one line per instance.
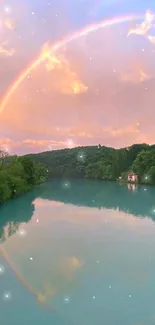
(151, 39)
(135, 76)
(67, 82)
(121, 132)
(5, 52)
(72, 137)
(72, 98)
(9, 23)
(31, 145)
(144, 27)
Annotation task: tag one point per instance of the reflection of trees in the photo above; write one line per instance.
(91, 193)
(12, 228)
(101, 194)
(15, 212)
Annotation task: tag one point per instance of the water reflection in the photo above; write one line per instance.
(14, 213)
(69, 245)
(131, 199)
(132, 187)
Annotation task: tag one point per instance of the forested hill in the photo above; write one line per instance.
(100, 162)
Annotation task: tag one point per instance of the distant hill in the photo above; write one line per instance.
(100, 162)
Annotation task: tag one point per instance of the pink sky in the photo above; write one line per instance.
(101, 90)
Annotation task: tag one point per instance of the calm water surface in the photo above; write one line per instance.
(78, 253)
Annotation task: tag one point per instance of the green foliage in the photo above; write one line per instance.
(99, 162)
(151, 174)
(144, 165)
(18, 175)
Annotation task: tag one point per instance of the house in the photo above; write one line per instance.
(132, 177)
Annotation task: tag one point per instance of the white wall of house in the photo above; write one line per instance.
(132, 178)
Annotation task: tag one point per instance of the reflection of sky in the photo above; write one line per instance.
(67, 242)
(81, 261)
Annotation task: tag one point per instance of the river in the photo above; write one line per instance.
(78, 252)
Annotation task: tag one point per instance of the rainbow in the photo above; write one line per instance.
(41, 298)
(60, 44)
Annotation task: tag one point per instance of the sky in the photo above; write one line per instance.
(76, 73)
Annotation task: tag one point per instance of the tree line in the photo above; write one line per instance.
(18, 175)
(100, 162)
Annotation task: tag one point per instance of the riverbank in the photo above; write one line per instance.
(100, 162)
(18, 175)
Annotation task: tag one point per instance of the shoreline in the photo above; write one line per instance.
(120, 182)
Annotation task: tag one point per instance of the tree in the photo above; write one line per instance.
(29, 169)
(143, 162)
(5, 191)
(40, 173)
(3, 156)
(18, 175)
(151, 174)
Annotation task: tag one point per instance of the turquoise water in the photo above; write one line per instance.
(78, 253)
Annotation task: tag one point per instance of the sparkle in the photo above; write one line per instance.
(2, 269)
(31, 258)
(129, 296)
(94, 297)
(109, 287)
(22, 232)
(66, 184)
(142, 50)
(33, 13)
(90, 58)
(7, 9)
(144, 189)
(66, 300)
(97, 262)
(81, 156)
(37, 220)
(145, 88)
(70, 143)
(7, 296)
(114, 70)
